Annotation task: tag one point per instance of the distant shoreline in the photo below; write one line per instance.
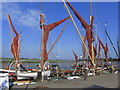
(34, 60)
(37, 61)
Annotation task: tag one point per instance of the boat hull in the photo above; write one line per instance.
(8, 71)
(26, 75)
(45, 73)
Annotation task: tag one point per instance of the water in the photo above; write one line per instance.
(65, 65)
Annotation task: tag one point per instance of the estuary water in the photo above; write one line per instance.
(65, 65)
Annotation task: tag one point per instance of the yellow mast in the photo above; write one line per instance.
(93, 58)
(91, 17)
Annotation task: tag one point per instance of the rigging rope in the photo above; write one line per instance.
(27, 35)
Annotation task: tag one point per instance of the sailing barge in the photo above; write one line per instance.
(93, 69)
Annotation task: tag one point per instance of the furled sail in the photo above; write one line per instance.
(76, 58)
(83, 22)
(45, 34)
(15, 41)
(89, 33)
(95, 51)
(105, 49)
(58, 36)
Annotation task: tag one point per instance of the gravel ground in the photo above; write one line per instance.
(99, 81)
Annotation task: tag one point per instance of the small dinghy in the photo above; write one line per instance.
(26, 75)
(71, 77)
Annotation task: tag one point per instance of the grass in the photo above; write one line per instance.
(38, 61)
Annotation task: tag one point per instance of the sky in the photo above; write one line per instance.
(25, 17)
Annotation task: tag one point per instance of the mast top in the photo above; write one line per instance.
(105, 23)
(41, 14)
(90, 7)
(91, 18)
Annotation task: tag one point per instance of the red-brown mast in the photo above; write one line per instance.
(45, 34)
(76, 58)
(105, 49)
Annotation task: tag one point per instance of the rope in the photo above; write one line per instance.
(77, 31)
(27, 35)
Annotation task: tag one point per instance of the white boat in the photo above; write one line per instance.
(45, 73)
(72, 77)
(7, 71)
(21, 74)
(26, 75)
(90, 74)
(23, 82)
(115, 72)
